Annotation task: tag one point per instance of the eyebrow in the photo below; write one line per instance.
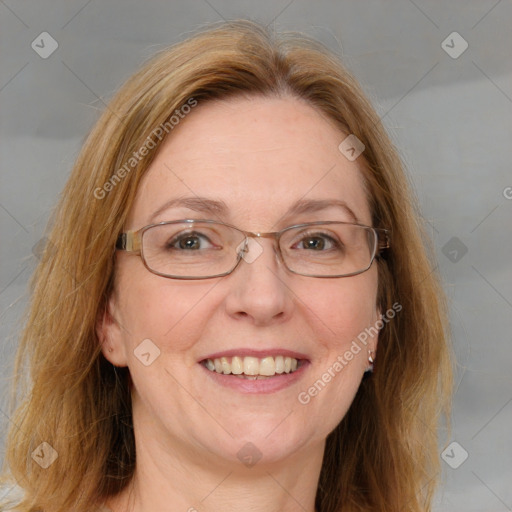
(315, 205)
(197, 204)
(219, 208)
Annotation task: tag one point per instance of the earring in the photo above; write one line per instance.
(371, 359)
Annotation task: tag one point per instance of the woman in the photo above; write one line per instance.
(236, 310)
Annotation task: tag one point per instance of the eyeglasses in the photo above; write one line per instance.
(202, 249)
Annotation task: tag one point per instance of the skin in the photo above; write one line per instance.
(259, 156)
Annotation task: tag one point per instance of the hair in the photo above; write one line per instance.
(383, 455)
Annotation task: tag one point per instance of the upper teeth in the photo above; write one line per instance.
(252, 365)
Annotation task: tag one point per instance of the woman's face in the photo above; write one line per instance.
(245, 162)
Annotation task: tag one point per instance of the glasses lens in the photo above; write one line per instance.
(328, 250)
(191, 249)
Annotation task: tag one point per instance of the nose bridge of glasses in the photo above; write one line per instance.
(249, 249)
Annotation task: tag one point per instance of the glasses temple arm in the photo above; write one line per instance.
(383, 238)
(128, 242)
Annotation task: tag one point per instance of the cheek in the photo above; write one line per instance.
(340, 313)
(171, 313)
(342, 309)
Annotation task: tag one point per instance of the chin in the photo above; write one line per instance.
(267, 441)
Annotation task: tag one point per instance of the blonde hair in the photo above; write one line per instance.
(383, 455)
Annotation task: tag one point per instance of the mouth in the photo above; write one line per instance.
(257, 372)
(253, 368)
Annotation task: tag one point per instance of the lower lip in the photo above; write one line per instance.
(262, 386)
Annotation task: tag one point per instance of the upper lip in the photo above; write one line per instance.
(246, 352)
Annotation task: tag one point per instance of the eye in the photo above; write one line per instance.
(317, 242)
(189, 242)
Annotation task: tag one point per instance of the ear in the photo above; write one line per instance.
(110, 334)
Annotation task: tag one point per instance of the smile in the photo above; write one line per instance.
(253, 368)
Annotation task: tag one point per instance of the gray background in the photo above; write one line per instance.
(450, 118)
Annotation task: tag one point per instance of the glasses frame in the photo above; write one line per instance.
(131, 242)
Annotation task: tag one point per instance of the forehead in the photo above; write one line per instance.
(259, 156)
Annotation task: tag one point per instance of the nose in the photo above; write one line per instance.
(258, 288)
